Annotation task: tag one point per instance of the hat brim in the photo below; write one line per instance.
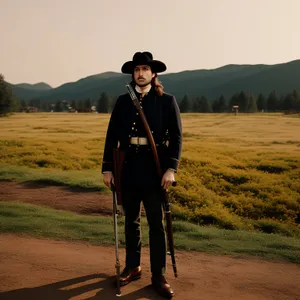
(155, 65)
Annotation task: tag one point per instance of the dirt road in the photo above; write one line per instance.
(42, 269)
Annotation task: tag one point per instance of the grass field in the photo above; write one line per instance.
(38, 221)
(236, 172)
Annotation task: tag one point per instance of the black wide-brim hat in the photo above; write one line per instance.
(143, 58)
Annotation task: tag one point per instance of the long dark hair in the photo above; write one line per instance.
(159, 88)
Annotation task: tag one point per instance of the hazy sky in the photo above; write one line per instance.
(59, 41)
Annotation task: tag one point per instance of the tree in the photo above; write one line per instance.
(280, 103)
(15, 104)
(204, 105)
(6, 97)
(58, 106)
(290, 102)
(234, 100)
(272, 102)
(252, 107)
(103, 105)
(35, 103)
(261, 102)
(23, 103)
(242, 102)
(296, 95)
(201, 105)
(45, 106)
(215, 106)
(73, 104)
(196, 105)
(80, 105)
(219, 105)
(185, 104)
(222, 104)
(87, 105)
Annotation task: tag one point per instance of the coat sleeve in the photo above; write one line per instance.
(175, 136)
(112, 138)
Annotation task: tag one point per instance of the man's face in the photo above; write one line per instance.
(142, 75)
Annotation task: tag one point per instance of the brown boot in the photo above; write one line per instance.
(162, 287)
(129, 275)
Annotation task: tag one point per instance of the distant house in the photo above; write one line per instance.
(235, 109)
(29, 109)
(72, 110)
(32, 109)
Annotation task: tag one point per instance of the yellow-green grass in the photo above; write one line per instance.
(87, 179)
(236, 172)
(38, 221)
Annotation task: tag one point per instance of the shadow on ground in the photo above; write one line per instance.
(102, 287)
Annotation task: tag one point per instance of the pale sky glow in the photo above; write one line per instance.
(59, 41)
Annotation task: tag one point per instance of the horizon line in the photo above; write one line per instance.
(165, 73)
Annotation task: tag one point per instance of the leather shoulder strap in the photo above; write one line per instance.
(146, 125)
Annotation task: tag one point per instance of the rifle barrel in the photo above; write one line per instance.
(117, 265)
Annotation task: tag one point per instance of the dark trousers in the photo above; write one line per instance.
(136, 190)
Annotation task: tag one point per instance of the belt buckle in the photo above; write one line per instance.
(138, 141)
(143, 141)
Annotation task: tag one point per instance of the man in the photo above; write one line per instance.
(140, 181)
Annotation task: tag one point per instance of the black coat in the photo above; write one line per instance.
(163, 116)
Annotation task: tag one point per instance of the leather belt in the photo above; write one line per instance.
(138, 140)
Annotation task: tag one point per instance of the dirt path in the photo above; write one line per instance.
(42, 269)
(58, 197)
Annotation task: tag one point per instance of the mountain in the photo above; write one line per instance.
(89, 87)
(226, 80)
(41, 86)
(28, 91)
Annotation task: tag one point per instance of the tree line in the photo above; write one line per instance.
(247, 103)
(9, 103)
(103, 104)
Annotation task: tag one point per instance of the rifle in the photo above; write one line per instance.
(115, 212)
(166, 202)
(117, 201)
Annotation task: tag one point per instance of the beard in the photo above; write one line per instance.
(143, 84)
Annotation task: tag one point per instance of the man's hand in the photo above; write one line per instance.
(168, 179)
(108, 179)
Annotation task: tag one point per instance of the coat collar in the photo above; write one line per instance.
(137, 88)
